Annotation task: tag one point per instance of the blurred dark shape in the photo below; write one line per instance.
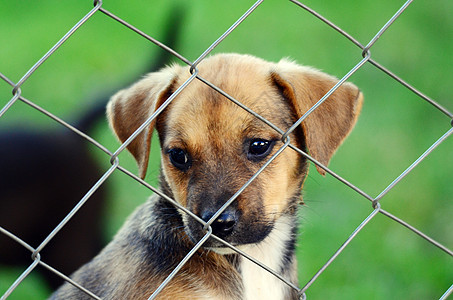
(43, 175)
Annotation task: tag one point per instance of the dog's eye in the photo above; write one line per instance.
(179, 158)
(259, 149)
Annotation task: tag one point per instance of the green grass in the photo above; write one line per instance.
(385, 261)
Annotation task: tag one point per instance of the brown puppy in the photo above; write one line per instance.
(210, 148)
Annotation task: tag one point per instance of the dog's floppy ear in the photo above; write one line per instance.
(128, 109)
(329, 124)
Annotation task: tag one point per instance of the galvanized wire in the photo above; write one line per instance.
(343, 246)
(375, 201)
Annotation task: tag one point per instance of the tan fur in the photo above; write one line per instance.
(215, 134)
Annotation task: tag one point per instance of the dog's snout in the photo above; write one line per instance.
(223, 225)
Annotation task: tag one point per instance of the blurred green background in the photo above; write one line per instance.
(385, 261)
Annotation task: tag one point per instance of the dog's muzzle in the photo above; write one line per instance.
(230, 226)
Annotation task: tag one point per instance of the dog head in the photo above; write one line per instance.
(211, 146)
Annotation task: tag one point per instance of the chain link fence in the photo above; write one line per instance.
(364, 59)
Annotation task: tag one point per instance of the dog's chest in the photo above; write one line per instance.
(259, 283)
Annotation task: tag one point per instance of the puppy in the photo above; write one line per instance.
(210, 147)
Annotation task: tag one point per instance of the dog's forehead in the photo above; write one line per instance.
(200, 113)
(199, 116)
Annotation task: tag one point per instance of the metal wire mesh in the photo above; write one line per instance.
(376, 205)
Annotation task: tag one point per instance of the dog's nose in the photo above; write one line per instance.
(223, 225)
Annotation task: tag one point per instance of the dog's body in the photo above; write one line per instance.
(152, 243)
(210, 148)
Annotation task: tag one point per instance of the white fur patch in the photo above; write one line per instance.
(259, 283)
